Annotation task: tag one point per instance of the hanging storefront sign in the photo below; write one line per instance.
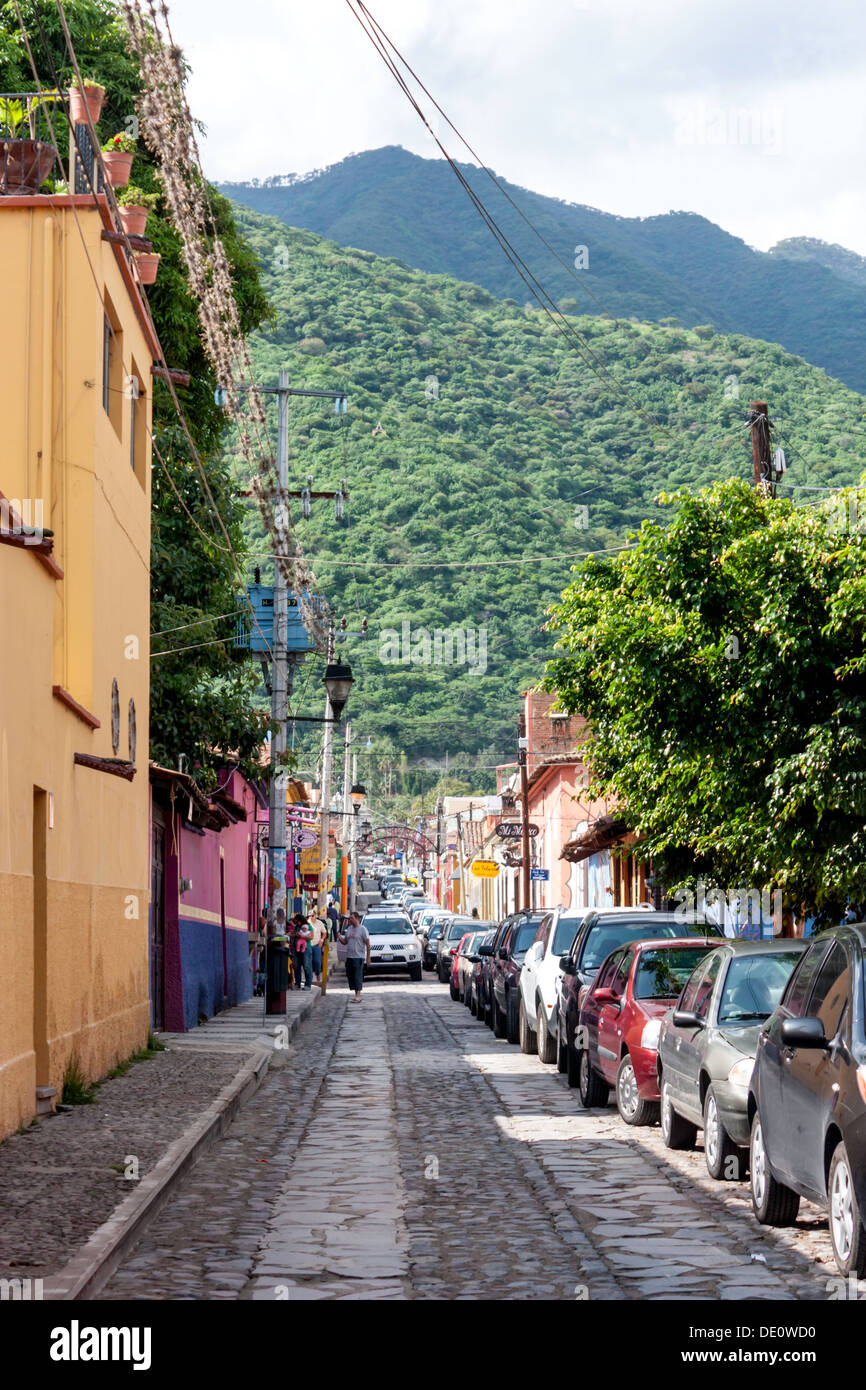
(484, 868)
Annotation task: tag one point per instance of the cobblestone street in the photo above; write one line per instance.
(400, 1151)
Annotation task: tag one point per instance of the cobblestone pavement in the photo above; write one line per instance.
(400, 1151)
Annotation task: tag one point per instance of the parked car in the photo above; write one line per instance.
(461, 965)
(449, 940)
(502, 975)
(620, 1021)
(393, 945)
(538, 1023)
(429, 946)
(707, 1048)
(476, 961)
(807, 1098)
(415, 909)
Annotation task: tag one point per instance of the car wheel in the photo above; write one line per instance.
(677, 1133)
(561, 1053)
(846, 1223)
(772, 1202)
(415, 973)
(545, 1043)
(498, 1022)
(444, 976)
(512, 1019)
(453, 990)
(725, 1159)
(473, 1003)
(593, 1090)
(525, 1033)
(631, 1107)
(572, 1064)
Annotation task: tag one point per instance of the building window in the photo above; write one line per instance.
(558, 725)
(115, 717)
(133, 737)
(113, 386)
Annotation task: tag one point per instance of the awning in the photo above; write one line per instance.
(601, 834)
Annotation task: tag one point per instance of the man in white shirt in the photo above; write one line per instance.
(317, 941)
(356, 939)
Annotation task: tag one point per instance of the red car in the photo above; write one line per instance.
(620, 1019)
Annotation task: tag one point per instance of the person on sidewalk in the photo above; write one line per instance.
(334, 919)
(302, 956)
(356, 940)
(318, 937)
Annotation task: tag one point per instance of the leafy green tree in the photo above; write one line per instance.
(722, 666)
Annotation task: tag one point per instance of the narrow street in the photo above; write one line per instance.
(400, 1151)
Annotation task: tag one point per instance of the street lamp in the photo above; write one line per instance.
(357, 793)
(338, 681)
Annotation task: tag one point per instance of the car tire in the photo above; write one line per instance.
(525, 1034)
(847, 1232)
(545, 1044)
(632, 1108)
(415, 973)
(561, 1054)
(444, 976)
(725, 1160)
(453, 991)
(572, 1064)
(594, 1090)
(498, 1022)
(773, 1203)
(677, 1133)
(512, 1019)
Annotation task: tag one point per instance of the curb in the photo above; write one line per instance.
(90, 1269)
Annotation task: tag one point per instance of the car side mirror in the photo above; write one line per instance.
(567, 965)
(474, 958)
(607, 996)
(486, 950)
(804, 1032)
(684, 1018)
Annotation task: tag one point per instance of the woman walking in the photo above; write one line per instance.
(317, 942)
(356, 940)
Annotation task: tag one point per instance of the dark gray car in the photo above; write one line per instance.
(707, 1048)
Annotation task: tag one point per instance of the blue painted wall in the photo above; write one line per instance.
(201, 955)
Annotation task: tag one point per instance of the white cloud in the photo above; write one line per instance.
(580, 99)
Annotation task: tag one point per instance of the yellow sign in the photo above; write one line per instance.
(484, 868)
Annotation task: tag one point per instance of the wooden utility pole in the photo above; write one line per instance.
(761, 459)
(522, 750)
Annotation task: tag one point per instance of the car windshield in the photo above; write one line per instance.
(563, 937)
(604, 937)
(526, 933)
(662, 974)
(435, 931)
(754, 985)
(387, 926)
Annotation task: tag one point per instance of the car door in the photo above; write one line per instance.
(773, 1063)
(693, 1040)
(592, 1009)
(609, 1019)
(809, 1074)
(531, 963)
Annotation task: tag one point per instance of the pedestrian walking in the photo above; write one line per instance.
(356, 940)
(334, 919)
(318, 937)
(302, 956)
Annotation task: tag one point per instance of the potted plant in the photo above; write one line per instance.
(118, 154)
(133, 206)
(83, 99)
(148, 265)
(25, 163)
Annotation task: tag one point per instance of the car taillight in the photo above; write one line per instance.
(861, 1083)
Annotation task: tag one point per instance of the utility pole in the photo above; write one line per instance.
(460, 857)
(277, 829)
(355, 814)
(439, 850)
(327, 760)
(347, 826)
(761, 461)
(522, 749)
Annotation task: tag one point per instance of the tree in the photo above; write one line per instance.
(722, 667)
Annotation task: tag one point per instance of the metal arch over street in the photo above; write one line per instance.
(406, 833)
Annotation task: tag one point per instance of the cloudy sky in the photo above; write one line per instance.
(752, 112)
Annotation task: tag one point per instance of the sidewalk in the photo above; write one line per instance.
(77, 1188)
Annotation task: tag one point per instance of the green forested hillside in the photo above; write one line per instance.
(494, 435)
(680, 264)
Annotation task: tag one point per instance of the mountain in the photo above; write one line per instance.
(475, 433)
(678, 265)
(838, 259)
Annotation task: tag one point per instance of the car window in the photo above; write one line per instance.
(563, 937)
(435, 932)
(387, 926)
(661, 974)
(523, 937)
(799, 989)
(604, 936)
(608, 970)
(621, 974)
(754, 985)
(831, 990)
(543, 931)
(709, 975)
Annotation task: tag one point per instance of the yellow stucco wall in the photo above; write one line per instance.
(81, 984)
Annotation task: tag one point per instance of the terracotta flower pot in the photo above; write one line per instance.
(133, 219)
(148, 265)
(118, 165)
(24, 165)
(81, 101)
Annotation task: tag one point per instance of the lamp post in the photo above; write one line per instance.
(358, 795)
